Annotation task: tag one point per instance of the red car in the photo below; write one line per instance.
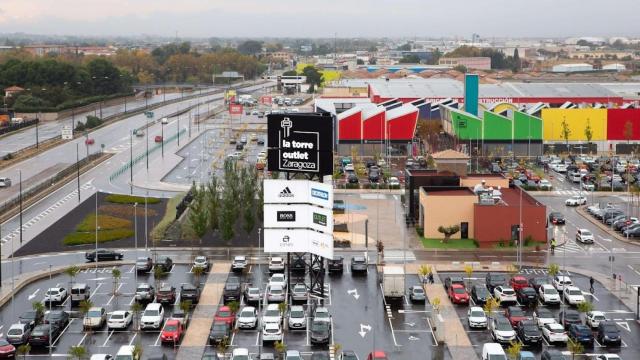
(225, 314)
(89, 141)
(377, 355)
(7, 350)
(515, 315)
(458, 294)
(518, 282)
(172, 331)
(158, 138)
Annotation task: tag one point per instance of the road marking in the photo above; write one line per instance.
(624, 325)
(133, 338)
(62, 332)
(33, 295)
(82, 340)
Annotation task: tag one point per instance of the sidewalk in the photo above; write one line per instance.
(197, 335)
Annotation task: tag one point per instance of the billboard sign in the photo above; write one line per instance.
(298, 216)
(235, 109)
(298, 192)
(300, 143)
(266, 100)
(298, 240)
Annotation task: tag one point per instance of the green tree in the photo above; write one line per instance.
(137, 351)
(588, 132)
(250, 47)
(77, 352)
(213, 203)
(24, 350)
(249, 199)
(280, 348)
(575, 348)
(490, 305)
(628, 131)
(468, 269)
(116, 274)
(158, 274)
(514, 349)
(84, 306)
(585, 307)
(565, 132)
(460, 68)
(553, 270)
(517, 64)
(185, 306)
(72, 271)
(136, 308)
(290, 73)
(314, 77)
(198, 217)
(448, 231)
(409, 59)
(38, 307)
(404, 47)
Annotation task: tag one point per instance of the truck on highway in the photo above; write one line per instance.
(393, 282)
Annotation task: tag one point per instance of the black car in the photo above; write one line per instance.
(448, 281)
(298, 263)
(165, 263)
(58, 318)
(103, 255)
(480, 294)
(220, 330)
(552, 355)
(31, 318)
(570, 317)
(260, 141)
(536, 282)
(581, 333)
(231, 292)
(527, 296)
(608, 333)
(370, 163)
(493, 280)
(634, 232)
(556, 218)
(239, 146)
(349, 355)
(529, 333)
(358, 264)
(374, 175)
(320, 332)
(352, 178)
(336, 265)
(189, 292)
(43, 333)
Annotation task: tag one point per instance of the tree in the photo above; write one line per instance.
(116, 279)
(84, 306)
(136, 307)
(290, 73)
(77, 352)
(23, 350)
(198, 217)
(628, 131)
(38, 307)
(585, 307)
(553, 270)
(359, 62)
(137, 351)
(588, 133)
(565, 132)
(213, 203)
(197, 273)
(409, 59)
(575, 348)
(314, 77)
(158, 273)
(424, 271)
(72, 271)
(250, 47)
(460, 68)
(280, 348)
(234, 306)
(514, 349)
(517, 64)
(185, 306)
(448, 231)
(490, 305)
(468, 269)
(404, 47)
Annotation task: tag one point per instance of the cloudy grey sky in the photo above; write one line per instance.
(322, 18)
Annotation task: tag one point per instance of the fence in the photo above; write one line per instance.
(45, 184)
(142, 156)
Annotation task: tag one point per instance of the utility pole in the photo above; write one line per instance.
(131, 160)
(20, 179)
(37, 134)
(162, 136)
(78, 168)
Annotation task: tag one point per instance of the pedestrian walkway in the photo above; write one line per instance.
(196, 337)
(398, 256)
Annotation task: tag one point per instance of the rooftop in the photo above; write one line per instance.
(450, 154)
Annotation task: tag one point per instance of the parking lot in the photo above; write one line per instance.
(602, 300)
(102, 287)
(360, 319)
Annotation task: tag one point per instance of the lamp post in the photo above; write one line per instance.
(20, 199)
(135, 237)
(162, 136)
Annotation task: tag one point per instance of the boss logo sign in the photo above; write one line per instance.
(319, 219)
(289, 216)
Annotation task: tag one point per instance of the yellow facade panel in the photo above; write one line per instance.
(577, 121)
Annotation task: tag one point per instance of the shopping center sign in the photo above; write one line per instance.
(300, 143)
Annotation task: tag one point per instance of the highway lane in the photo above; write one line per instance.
(50, 129)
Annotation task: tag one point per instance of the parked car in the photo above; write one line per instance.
(505, 295)
(240, 354)
(299, 292)
(594, 318)
(275, 293)
(336, 265)
(573, 295)
(55, 295)
(358, 264)
(549, 295)
(103, 255)
(166, 294)
(152, 317)
(120, 319)
(276, 264)
(58, 318)
(608, 333)
(201, 262)
(31, 318)
(272, 332)
(543, 316)
(556, 218)
(247, 318)
(480, 294)
(165, 263)
(515, 314)
(320, 332)
(458, 294)
(581, 334)
(568, 317)
(43, 334)
(144, 264)
(476, 317)
(272, 314)
(537, 281)
(239, 263)
(297, 318)
(18, 334)
(529, 333)
(552, 354)
(448, 281)
(493, 280)
(252, 294)
(172, 332)
(95, 318)
(554, 333)
(189, 292)
(416, 293)
(225, 314)
(322, 314)
(145, 292)
(561, 281)
(220, 330)
(527, 296)
(501, 330)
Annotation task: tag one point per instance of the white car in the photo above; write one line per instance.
(322, 314)
(584, 236)
(593, 318)
(94, 318)
(549, 294)
(56, 295)
(545, 184)
(554, 333)
(239, 263)
(272, 314)
(276, 263)
(126, 353)
(588, 186)
(152, 317)
(278, 279)
(275, 293)
(607, 357)
(201, 262)
(561, 281)
(240, 354)
(348, 167)
(297, 318)
(476, 317)
(501, 330)
(505, 294)
(272, 332)
(573, 295)
(293, 355)
(393, 181)
(247, 318)
(575, 200)
(119, 320)
(543, 316)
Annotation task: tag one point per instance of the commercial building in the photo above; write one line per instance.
(568, 68)
(475, 63)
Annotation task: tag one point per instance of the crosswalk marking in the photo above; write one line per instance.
(398, 255)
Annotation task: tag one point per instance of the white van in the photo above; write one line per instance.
(493, 351)
(126, 353)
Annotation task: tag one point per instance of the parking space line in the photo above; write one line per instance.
(158, 338)
(95, 291)
(82, 340)
(104, 344)
(133, 338)
(62, 332)
(133, 268)
(435, 341)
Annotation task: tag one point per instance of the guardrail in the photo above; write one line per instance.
(121, 170)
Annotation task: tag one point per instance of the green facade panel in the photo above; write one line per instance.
(496, 127)
(527, 126)
(466, 126)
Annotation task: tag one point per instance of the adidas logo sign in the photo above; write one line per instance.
(286, 192)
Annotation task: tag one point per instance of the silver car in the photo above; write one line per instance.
(297, 318)
(299, 292)
(18, 334)
(275, 293)
(145, 292)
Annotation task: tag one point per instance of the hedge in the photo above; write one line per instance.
(73, 103)
(105, 222)
(129, 199)
(82, 238)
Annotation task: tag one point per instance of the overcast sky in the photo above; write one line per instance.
(323, 18)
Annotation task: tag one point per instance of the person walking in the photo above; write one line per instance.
(591, 282)
(553, 245)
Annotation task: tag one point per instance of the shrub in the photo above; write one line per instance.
(352, 186)
(105, 222)
(129, 199)
(93, 121)
(528, 241)
(420, 231)
(124, 211)
(80, 126)
(82, 238)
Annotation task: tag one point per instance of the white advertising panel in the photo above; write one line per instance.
(298, 240)
(298, 216)
(298, 192)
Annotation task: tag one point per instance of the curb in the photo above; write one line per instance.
(605, 228)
